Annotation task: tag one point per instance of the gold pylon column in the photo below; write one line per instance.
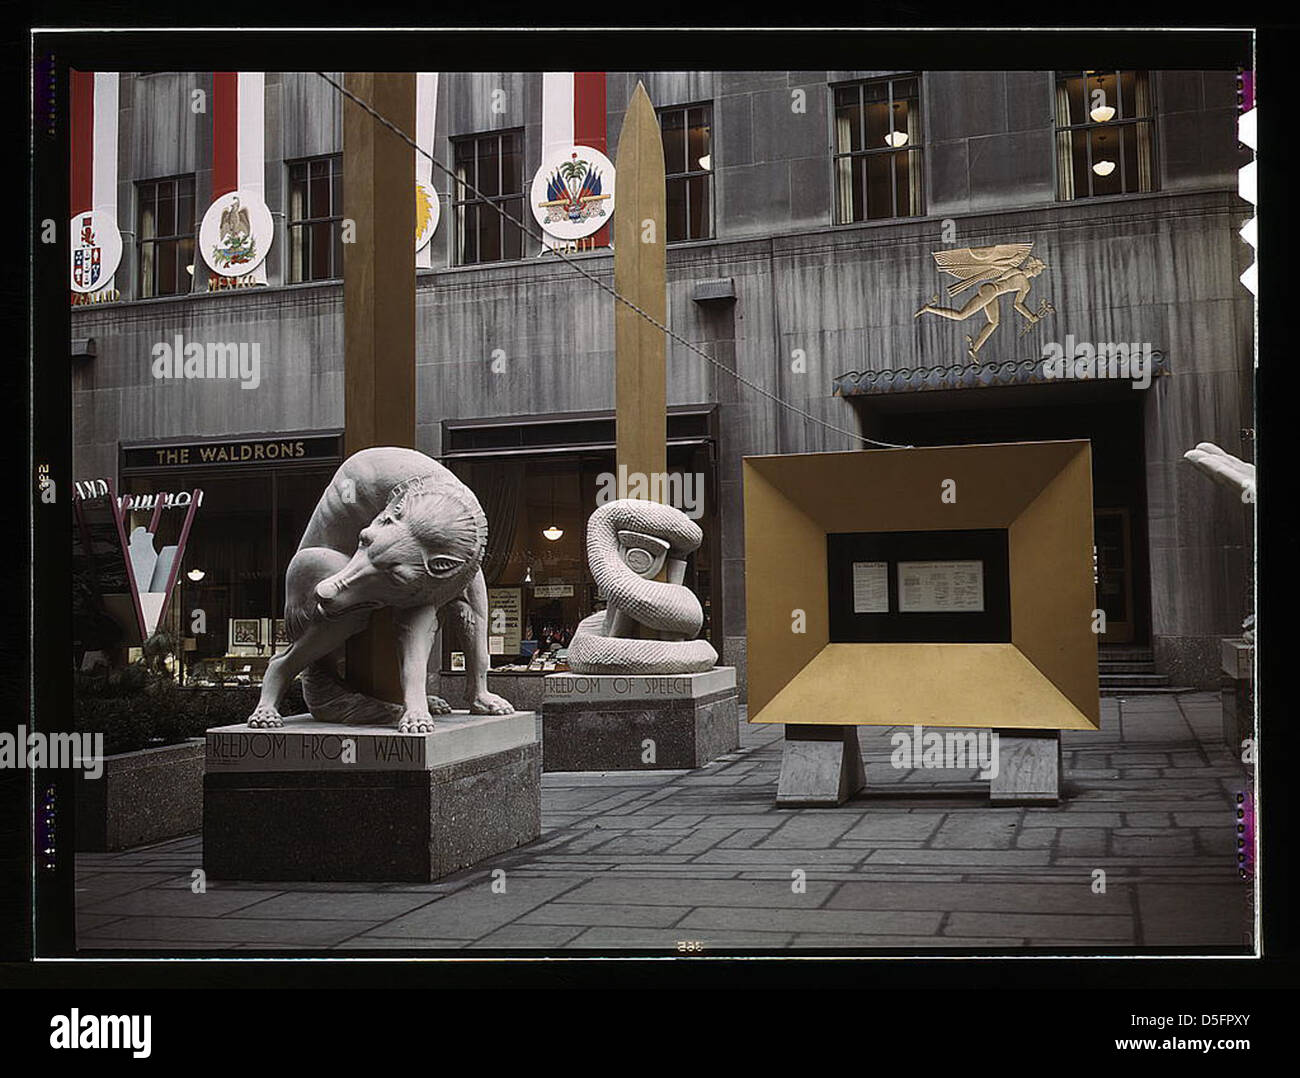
(378, 312)
(640, 274)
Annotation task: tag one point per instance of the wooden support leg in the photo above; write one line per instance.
(820, 766)
(1029, 768)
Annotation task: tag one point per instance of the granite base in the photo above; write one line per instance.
(604, 722)
(318, 801)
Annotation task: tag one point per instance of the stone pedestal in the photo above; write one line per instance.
(821, 766)
(1029, 768)
(606, 722)
(323, 801)
(1238, 663)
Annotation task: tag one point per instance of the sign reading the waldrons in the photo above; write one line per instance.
(236, 234)
(427, 213)
(573, 193)
(96, 250)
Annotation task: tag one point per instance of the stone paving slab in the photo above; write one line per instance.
(644, 861)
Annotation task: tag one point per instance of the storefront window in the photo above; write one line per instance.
(226, 612)
(539, 586)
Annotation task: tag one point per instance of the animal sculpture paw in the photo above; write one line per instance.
(489, 703)
(264, 717)
(439, 706)
(415, 722)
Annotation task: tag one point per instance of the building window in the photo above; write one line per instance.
(165, 236)
(688, 170)
(877, 150)
(489, 176)
(1103, 133)
(315, 219)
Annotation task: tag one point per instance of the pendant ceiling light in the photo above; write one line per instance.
(1104, 168)
(196, 575)
(553, 532)
(895, 137)
(1103, 112)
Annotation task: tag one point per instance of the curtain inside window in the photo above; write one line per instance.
(462, 216)
(1064, 146)
(499, 489)
(297, 236)
(843, 171)
(1142, 107)
(914, 158)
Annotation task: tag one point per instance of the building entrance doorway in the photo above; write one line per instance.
(1114, 427)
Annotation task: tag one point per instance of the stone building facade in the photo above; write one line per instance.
(515, 357)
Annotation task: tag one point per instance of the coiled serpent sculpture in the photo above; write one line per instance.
(648, 626)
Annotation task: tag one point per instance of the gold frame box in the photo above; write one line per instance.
(1045, 678)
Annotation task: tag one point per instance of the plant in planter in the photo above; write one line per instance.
(152, 784)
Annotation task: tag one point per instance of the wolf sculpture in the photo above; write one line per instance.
(393, 529)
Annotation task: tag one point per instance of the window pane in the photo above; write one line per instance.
(185, 257)
(848, 119)
(513, 244)
(146, 270)
(166, 210)
(880, 187)
(512, 164)
(1102, 92)
(320, 190)
(488, 180)
(147, 209)
(1105, 152)
(1083, 176)
(166, 269)
(336, 189)
(336, 249)
(1072, 87)
(675, 191)
(489, 235)
(185, 207)
(468, 232)
(320, 251)
(465, 170)
(902, 184)
(1135, 97)
(699, 223)
(879, 124)
(674, 132)
(697, 139)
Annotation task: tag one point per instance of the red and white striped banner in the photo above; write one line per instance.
(573, 114)
(239, 165)
(95, 254)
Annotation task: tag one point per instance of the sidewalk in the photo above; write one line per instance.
(646, 860)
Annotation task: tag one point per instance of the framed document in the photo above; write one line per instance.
(940, 587)
(871, 587)
(918, 587)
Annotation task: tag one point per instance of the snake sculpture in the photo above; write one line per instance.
(649, 626)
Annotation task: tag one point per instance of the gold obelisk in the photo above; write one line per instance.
(378, 313)
(640, 274)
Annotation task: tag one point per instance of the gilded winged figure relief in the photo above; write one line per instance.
(998, 270)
